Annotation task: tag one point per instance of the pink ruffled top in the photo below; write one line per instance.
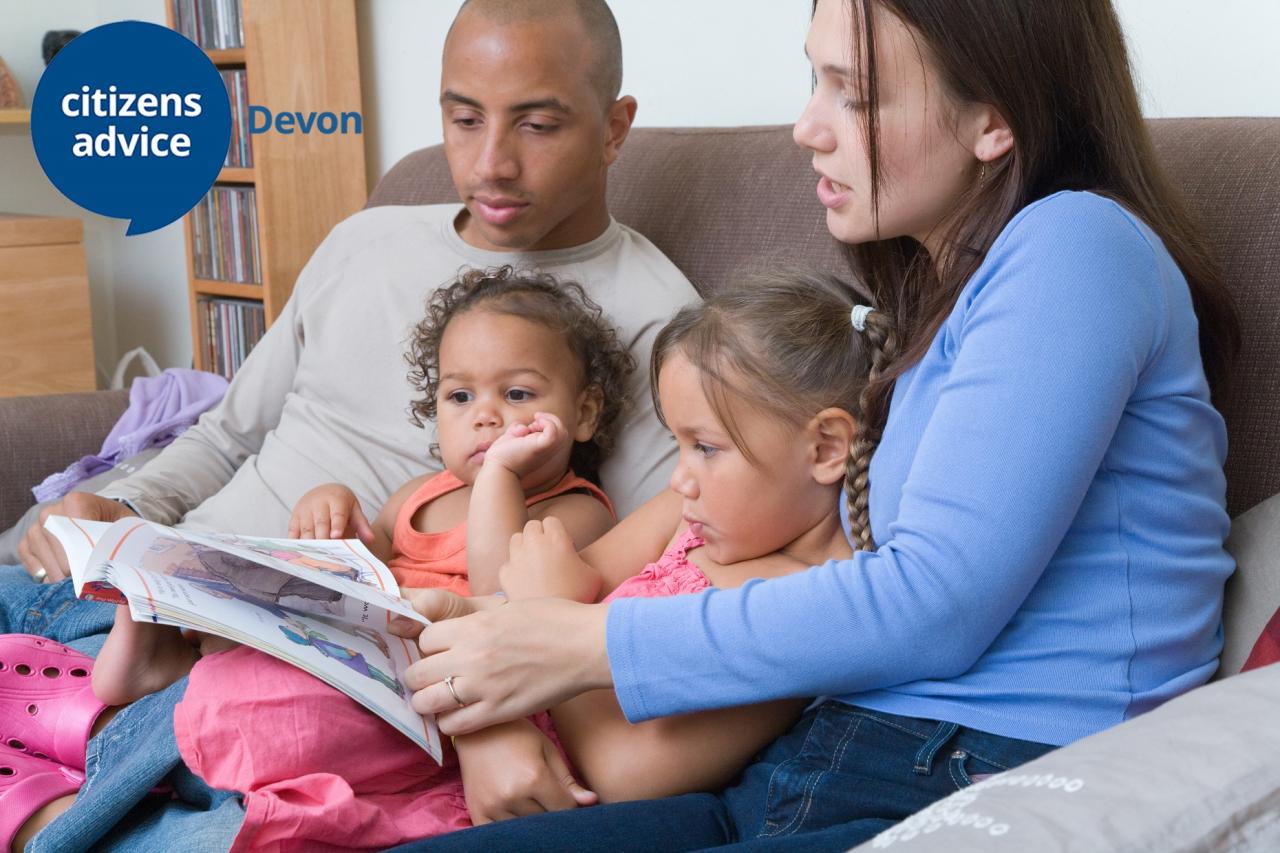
(672, 574)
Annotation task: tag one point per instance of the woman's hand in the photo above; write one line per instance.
(512, 770)
(438, 605)
(329, 511)
(506, 662)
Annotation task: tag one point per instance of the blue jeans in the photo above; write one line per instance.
(839, 777)
(135, 753)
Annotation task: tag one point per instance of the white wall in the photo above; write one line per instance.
(732, 62)
(688, 62)
(1197, 58)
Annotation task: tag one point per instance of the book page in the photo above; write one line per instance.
(350, 576)
(170, 580)
(78, 538)
(199, 581)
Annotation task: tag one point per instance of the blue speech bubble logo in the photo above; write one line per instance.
(131, 120)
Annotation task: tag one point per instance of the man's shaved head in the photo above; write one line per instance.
(595, 18)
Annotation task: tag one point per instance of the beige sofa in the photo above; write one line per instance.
(716, 200)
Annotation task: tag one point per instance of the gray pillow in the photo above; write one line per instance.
(10, 538)
(1253, 593)
(1199, 773)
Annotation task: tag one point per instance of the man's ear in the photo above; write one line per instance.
(992, 136)
(617, 124)
(590, 404)
(830, 434)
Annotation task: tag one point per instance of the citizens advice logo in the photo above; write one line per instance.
(131, 120)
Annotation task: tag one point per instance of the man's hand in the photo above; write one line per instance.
(525, 447)
(39, 549)
(330, 511)
(512, 770)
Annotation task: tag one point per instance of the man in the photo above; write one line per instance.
(529, 134)
(533, 120)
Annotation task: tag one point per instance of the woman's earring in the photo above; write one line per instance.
(982, 174)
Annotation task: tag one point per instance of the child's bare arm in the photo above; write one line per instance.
(496, 510)
(495, 513)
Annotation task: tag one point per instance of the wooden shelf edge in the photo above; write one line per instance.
(15, 115)
(236, 175)
(227, 56)
(234, 289)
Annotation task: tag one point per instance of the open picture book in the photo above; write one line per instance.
(322, 605)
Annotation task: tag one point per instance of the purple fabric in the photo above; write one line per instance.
(160, 409)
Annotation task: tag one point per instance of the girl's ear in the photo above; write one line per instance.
(830, 434)
(590, 404)
(992, 137)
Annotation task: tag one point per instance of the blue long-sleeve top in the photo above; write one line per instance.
(1049, 504)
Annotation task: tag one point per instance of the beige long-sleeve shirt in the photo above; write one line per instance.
(324, 395)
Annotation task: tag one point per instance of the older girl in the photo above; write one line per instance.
(1047, 500)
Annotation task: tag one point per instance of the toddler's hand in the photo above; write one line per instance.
(330, 511)
(513, 769)
(523, 447)
(543, 561)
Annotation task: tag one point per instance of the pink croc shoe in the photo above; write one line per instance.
(26, 784)
(47, 706)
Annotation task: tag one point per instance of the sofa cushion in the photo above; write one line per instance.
(1253, 592)
(40, 435)
(1199, 773)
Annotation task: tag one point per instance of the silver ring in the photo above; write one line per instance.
(39, 575)
(448, 682)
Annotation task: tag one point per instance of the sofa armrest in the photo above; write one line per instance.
(46, 434)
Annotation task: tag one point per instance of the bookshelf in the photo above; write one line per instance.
(297, 56)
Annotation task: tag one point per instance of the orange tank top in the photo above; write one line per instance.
(439, 560)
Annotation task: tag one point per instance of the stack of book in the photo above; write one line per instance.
(211, 24)
(240, 154)
(228, 330)
(224, 236)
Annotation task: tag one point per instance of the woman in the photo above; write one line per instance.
(1047, 501)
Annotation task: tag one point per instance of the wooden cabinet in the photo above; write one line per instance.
(46, 335)
(300, 56)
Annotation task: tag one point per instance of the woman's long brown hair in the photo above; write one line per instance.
(1059, 74)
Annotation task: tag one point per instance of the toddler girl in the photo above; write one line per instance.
(760, 387)
(499, 351)
(500, 355)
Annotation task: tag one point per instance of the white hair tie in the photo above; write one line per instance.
(858, 316)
